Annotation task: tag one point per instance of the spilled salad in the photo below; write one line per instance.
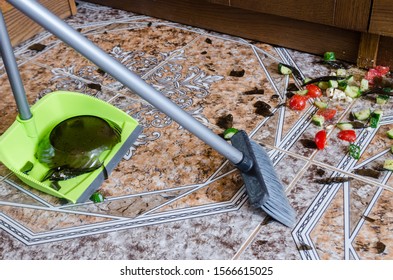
(343, 87)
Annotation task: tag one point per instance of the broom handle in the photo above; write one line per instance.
(67, 34)
(12, 72)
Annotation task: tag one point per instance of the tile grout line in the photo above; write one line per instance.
(249, 240)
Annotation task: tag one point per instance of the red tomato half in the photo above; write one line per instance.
(347, 135)
(320, 139)
(327, 113)
(313, 91)
(377, 71)
(298, 102)
(383, 70)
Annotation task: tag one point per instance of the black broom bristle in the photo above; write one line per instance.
(277, 205)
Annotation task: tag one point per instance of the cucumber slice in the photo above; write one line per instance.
(388, 164)
(375, 118)
(228, 133)
(350, 80)
(344, 126)
(329, 56)
(390, 133)
(362, 115)
(302, 92)
(352, 91)
(323, 85)
(318, 120)
(342, 84)
(341, 72)
(282, 69)
(333, 84)
(320, 104)
(364, 85)
(382, 99)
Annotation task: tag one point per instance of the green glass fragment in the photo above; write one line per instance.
(74, 146)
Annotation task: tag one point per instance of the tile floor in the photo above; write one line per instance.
(172, 196)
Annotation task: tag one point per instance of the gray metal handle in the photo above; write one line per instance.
(63, 31)
(11, 68)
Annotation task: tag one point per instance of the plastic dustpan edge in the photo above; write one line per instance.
(18, 148)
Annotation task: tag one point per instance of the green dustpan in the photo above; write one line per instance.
(18, 145)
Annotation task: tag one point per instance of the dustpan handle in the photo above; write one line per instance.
(67, 34)
(13, 74)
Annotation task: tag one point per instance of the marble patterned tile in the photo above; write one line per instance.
(43, 220)
(329, 227)
(273, 241)
(215, 237)
(9, 193)
(374, 237)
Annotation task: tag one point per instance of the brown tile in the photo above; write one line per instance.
(328, 233)
(127, 207)
(39, 221)
(374, 239)
(10, 193)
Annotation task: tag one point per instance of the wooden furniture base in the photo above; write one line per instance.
(362, 48)
(21, 28)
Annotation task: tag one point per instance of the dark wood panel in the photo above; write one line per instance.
(299, 35)
(352, 14)
(307, 10)
(385, 52)
(382, 17)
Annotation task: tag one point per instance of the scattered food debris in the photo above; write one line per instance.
(254, 91)
(37, 47)
(225, 122)
(237, 73)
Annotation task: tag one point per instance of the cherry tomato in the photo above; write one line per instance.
(298, 102)
(347, 135)
(327, 113)
(320, 139)
(313, 91)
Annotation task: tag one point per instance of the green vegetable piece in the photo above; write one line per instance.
(320, 104)
(333, 84)
(382, 99)
(228, 133)
(323, 85)
(97, 197)
(354, 151)
(344, 126)
(388, 164)
(302, 92)
(352, 91)
(375, 118)
(318, 120)
(362, 115)
(390, 134)
(282, 69)
(350, 80)
(364, 85)
(329, 56)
